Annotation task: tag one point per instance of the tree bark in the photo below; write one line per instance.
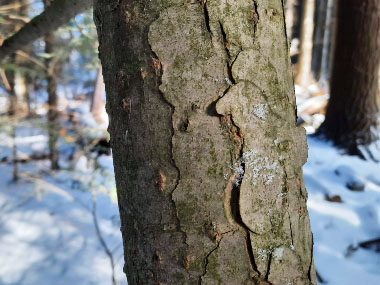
(208, 158)
(306, 44)
(53, 115)
(352, 111)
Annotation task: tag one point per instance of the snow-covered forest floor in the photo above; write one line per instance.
(57, 227)
(62, 227)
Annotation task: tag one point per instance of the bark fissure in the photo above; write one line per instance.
(207, 17)
(291, 230)
(234, 195)
(285, 30)
(173, 163)
(206, 261)
(249, 248)
(256, 16)
(311, 261)
(268, 267)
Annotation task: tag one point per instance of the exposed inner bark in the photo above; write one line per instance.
(207, 157)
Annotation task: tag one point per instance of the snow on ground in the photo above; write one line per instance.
(48, 219)
(339, 226)
(47, 232)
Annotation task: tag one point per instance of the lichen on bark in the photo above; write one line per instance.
(214, 79)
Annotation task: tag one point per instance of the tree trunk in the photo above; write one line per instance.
(306, 44)
(319, 32)
(97, 101)
(289, 17)
(327, 43)
(208, 158)
(352, 111)
(53, 124)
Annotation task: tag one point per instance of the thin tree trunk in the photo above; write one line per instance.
(208, 158)
(327, 43)
(53, 124)
(318, 39)
(97, 101)
(15, 175)
(306, 44)
(352, 111)
(289, 17)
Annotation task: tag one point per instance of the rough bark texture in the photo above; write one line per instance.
(352, 111)
(53, 126)
(208, 159)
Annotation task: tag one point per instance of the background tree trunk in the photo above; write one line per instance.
(306, 43)
(327, 43)
(97, 101)
(320, 29)
(290, 15)
(352, 111)
(53, 124)
(208, 158)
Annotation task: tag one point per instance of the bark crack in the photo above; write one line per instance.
(251, 256)
(207, 17)
(255, 16)
(233, 205)
(311, 258)
(268, 267)
(291, 231)
(206, 261)
(172, 160)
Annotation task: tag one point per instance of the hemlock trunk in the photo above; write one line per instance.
(208, 158)
(351, 114)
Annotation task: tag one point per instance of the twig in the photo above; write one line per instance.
(5, 80)
(102, 241)
(32, 59)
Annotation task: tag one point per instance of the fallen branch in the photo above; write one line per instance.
(57, 14)
(102, 241)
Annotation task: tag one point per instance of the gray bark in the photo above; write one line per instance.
(208, 158)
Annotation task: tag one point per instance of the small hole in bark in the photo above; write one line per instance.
(184, 126)
(194, 107)
(156, 257)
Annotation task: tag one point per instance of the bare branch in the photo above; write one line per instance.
(56, 15)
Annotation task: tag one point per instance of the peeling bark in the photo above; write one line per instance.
(216, 118)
